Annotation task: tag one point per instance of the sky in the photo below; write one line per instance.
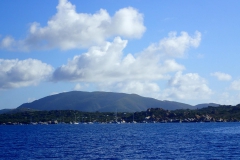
(184, 51)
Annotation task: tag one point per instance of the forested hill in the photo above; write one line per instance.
(102, 102)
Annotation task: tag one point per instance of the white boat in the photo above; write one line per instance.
(133, 119)
(116, 118)
(75, 122)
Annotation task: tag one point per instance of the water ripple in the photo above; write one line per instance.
(128, 141)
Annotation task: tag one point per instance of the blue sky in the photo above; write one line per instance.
(185, 51)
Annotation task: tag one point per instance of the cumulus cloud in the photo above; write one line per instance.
(77, 87)
(108, 67)
(107, 63)
(176, 46)
(139, 87)
(81, 86)
(68, 29)
(19, 73)
(143, 88)
(7, 42)
(188, 86)
(222, 76)
(227, 98)
(127, 22)
(235, 85)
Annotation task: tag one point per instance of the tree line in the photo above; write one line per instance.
(223, 113)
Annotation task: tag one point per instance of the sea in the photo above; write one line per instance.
(121, 141)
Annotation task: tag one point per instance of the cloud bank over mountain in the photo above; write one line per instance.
(104, 64)
(161, 69)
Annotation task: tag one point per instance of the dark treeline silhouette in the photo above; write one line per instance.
(222, 113)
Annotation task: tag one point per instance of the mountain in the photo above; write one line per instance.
(204, 105)
(2, 111)
(101, 101)
(16, 110)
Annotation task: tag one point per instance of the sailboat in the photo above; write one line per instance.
(116, 119)
(133, 119)
(75, 122)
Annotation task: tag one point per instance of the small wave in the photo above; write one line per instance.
(224, 130)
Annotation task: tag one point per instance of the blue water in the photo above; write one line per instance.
(121, 141)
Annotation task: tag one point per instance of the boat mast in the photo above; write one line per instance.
(116, 116)
(133, 116)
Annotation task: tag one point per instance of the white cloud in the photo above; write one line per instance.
(176, 46)
(68, 29)
(128, 23)
(7, 42)
(108, 68)
(77, 87)
(189, 86)
(222, 76)
(54, 93)
(107, 63)
(143, 88)
(31, 100)
(235, 85)
(227, 98)
(19, 73)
